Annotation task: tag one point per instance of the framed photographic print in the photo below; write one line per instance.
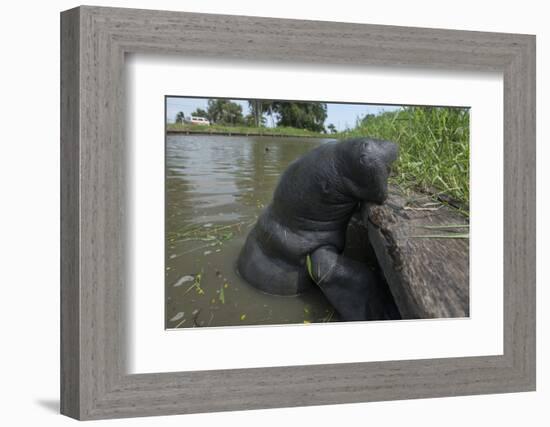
(280, 213)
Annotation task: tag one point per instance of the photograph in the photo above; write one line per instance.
(299, 212)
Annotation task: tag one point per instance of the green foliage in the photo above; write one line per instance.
(301, 115)
(309, 267)
(180, 117)
(309, 116)
(257, 108)
(366, 119)
(442, 236)
(221, 295)
(445, 231)
(223, 111)
(434, 149)
(199, 112)
(331, 128)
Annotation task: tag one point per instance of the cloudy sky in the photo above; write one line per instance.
(341, 115)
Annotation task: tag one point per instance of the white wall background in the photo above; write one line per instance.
(29, 212)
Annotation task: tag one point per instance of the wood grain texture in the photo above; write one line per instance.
(70, 221)
(94, 272)
(428, 277)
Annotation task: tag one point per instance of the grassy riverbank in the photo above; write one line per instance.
(242, 130)
(434, 148)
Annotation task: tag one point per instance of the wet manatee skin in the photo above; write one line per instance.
(310, 211)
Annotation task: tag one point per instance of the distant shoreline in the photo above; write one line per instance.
(225, 130)
(243, 133)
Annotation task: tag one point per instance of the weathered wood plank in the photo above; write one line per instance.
(428, 277)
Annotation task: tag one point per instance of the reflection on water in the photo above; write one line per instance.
(216, 186)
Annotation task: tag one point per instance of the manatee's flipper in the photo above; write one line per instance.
(269, 273)
(354, 290)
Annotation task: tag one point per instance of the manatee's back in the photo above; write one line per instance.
(308, 190)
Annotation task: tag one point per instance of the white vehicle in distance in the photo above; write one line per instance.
(199, 121)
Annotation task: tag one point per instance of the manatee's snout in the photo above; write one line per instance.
(392, 150)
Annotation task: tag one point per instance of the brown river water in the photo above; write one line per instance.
(216, 186)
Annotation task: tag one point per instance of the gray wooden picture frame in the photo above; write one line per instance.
(94, 41)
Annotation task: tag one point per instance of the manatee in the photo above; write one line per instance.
(298, 240)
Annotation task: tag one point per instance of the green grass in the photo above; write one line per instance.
(309, 267)
(434, 149)
(245, 130)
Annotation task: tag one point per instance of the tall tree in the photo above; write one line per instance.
(199, 112)
(180, 117)
(301, 115)
(258, 108)
(233, 114)
(223, 111)
(367, 118)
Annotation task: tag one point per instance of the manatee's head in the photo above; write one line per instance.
(368, 167)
